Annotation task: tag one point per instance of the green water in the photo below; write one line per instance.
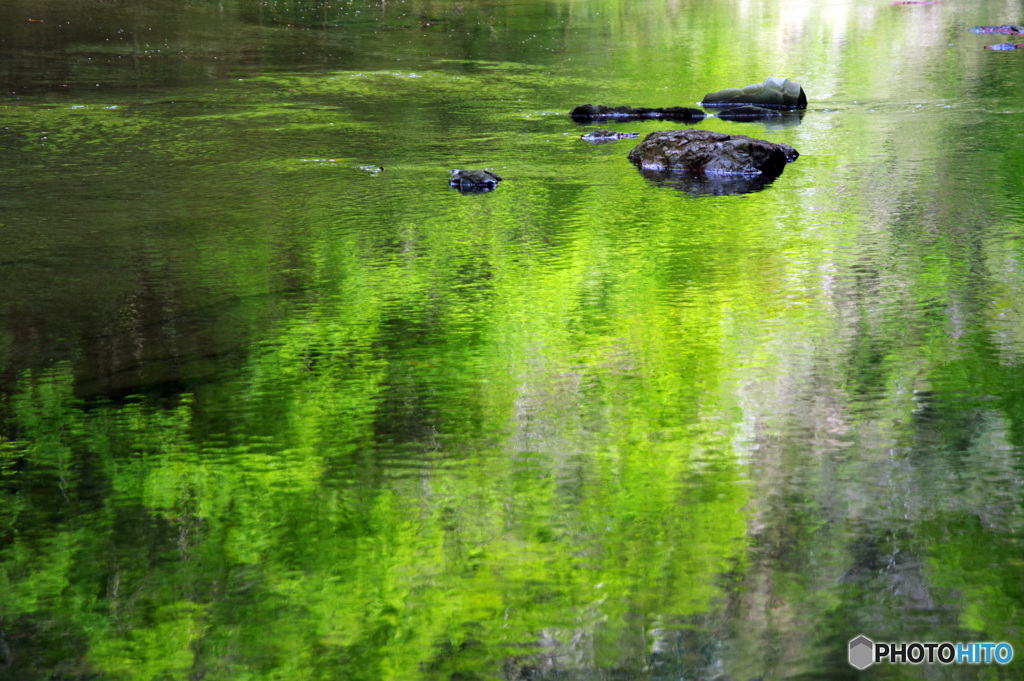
(267, 414)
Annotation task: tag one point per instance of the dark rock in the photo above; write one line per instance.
(712, 153)
(474, 180)
(1009, 29)
(747, 113)
(589, 112)
(773, 93)
(604, 136)
(1005, 47)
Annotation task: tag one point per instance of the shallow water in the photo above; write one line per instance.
(268, 412)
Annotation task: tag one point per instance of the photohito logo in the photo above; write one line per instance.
(864, 652)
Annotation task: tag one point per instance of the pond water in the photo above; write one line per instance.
(276, 402)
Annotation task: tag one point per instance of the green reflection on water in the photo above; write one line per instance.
(302, 542)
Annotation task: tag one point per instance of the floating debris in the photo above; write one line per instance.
(916, 2)
(1005, 47)
(373, 170)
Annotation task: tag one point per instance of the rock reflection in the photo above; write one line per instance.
(775, 120)
(788, 119)
(701, 184)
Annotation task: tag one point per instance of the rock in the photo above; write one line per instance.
(712, 153)
(773, 93)
(604, 136)
(589, 112)
(474, 180)
(1009, 29)
(1005, 47)
(747, 113)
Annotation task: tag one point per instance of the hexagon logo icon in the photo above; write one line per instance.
(862, 652)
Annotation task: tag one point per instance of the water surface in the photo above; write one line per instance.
(269, 412)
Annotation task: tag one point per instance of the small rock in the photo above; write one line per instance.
(474, 180)
(588, 112)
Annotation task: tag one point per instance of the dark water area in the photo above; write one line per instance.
(277, 402)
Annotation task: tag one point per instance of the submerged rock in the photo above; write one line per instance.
(474, 180)
(1009, 29)
(1005, 47)
(747, 113)
(712, 153)
(589, 112)
(773, 93)
(604, 136)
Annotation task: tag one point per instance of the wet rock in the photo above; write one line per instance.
(1005, 47)
(747, 113)
(605, 136)
(589, 112)
(474, 180)
(773, 93)
(1009, 29)
(711, 153)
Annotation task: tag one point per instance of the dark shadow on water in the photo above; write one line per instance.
(699, 184)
